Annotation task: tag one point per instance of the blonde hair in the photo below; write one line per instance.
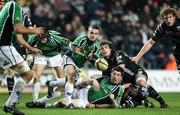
(167, 11)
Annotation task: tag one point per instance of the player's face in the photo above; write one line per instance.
(44, 40)
(169, 19)
(22, 2)
(105, 50)
(93, 34)
(2, 3)
(116, 77)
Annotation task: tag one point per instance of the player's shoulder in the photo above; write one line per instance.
(13, 3)
(32, 37)
(178, 20)
(97, 43)
(53, 32)
(119, 52)
(82, 36)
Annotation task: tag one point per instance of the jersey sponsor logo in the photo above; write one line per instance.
(128, 71)
(17, 19)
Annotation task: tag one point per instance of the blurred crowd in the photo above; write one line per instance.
(127, 23)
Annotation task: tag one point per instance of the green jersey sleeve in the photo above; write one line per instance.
(80, 41)
(59, 40)
(33, 39)
(17, 16)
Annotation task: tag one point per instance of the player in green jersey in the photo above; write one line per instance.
(84, 48)
(11, 19)
(104, 92)
(51, 44)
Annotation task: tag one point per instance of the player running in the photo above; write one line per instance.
(11, 19)
(51, 44)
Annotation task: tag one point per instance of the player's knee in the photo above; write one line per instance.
(38, 75)
(28, 76)
(141, 81)
(144, 92)
(70, 72)
(22, 68)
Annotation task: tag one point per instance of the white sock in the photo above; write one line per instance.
(69, 88)
(17, 90)
(35, 93)
(59, 82)
(46, 98)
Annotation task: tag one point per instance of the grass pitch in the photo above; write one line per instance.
(173, 100)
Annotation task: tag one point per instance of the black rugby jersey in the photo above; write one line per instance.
(117, 58)
(172, 33)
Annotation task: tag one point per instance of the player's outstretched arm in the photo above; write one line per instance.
(21, 29)
(22, 42)
(147, 46)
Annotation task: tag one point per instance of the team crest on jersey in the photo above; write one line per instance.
(119, 59)
(17, 18)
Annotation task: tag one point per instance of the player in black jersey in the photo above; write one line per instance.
(169, 29)
(133, 73)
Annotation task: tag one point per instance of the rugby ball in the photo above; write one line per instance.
(101, 64)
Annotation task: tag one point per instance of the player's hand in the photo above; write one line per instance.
(126, 85)
(38, 30)
(135, 59)
(77, 50)
(89, 57)
(34, 50)
(90, 106)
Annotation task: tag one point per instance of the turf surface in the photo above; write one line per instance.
(173, 100)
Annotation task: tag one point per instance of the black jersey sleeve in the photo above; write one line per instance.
(158, 33)
(27, 21)
(120, 57)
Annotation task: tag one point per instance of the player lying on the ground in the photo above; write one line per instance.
(133, 73)
(85, 48)
(103, 93)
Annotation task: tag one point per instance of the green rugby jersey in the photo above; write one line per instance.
(106, 87)
(52, 46)
(10, 14)
(87, 47)
(27, 23)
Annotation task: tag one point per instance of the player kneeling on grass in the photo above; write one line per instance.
(105, 92)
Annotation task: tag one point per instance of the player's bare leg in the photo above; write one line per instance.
(26, 76)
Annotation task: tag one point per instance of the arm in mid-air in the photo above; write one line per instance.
(147, 46)
(21, 29)
(20, 40)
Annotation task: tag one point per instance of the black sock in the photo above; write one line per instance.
(10, 84)
(155, 95)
